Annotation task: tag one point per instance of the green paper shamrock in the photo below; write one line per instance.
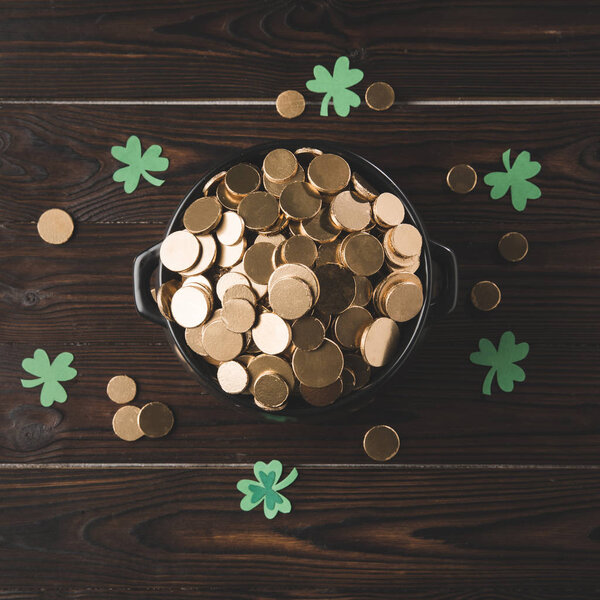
(48, 375)
(138, 164)
(335, 86)
(501, 361)
(266, 487)
(515, 178)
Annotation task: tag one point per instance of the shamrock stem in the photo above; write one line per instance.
(287, 481)
(153, 180)
(29, 383)
(325, 105)
(487, 382)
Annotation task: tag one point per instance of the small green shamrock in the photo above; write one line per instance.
(266, 487)
(501, 361)
(138, 164)
(515, 178)
(335, 86)
(49, 375)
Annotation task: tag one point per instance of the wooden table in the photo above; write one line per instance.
(489, 497)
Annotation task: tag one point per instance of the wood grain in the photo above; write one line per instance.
(239, 49)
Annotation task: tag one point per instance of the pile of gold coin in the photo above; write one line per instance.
(292, 277)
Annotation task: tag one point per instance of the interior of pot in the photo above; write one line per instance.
(410, 331)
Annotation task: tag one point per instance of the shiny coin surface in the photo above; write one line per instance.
(208, 255)
(329, 173)
(243, 291)
(299, 249)
(485, 295)
(121, 389)
(231, 229)
(461, 179)
(191, 306)
(266, 363)
(388, 210)
(513, 246)
(323, 396)
(381, 443)
(258, 262)
(277, 188)
(301, 272)
(180, 251)
(403, 301)
(238, 315)
(320, 228)
(155, 419)
(229, 256)
(227, 199)
(202, 215)
(290, 298)
(349, 325)
(242, 179)
(318, 368)
(379, 342)
(55, 226)
(380, 96)
(259, 210)
(349, 212)
(125, 423)
(212, 183)
(228, 280)
(280, 165)
(193, 338)
(271, 390)
(406, 239)
(233, 377)
(363, 188)
(362, 253)
(220, 343)
(337, 288)
(271, 334)
(299, 200)
(290, 104)
(308, 333)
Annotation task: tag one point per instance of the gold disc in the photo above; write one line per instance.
(318, 368)
(485, 295)
(55, 226)
(191, 306)
(363, 291)
(299, 249)
(406, 240)
(164, 295)
(290, 298)
(259, 210)
(264, 363)
(299, 200)
(363, 188)
(337, 288)
(328, 253)
(277, 188)
(381, 443)
(228, 280)
(380, 95)
(226, 199)
(121, 389)
(271, 391)
(231, 229)
(220, 343)
(461, 179)
(513, 246)
(280, 165)
(299, 271)
(329, 173)
(242, 179)
(403, 301)
(125, 423)
(213, 181)
(322, 396)
(180, 251)
(379, 342)
(362, 253)
(238, 315)
(290, 104)
(243, 291)
(320, 228)
(229, 256)
(388, 210)
(202, 215)
(233, 377)
(208, 255)
(349, 212)
(350, 324)
(258, 262)
(308, 333)
(155, 419)
(271, 334)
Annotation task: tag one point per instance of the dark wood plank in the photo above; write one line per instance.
(233, 48)
(350, 531)
(60, 156)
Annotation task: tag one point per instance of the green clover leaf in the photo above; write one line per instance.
(266, 489)
(515, 178)
(138, 164)
(501, 361)
(48, 375)
(336, 86)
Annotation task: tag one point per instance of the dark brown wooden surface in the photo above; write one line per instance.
(490, 497)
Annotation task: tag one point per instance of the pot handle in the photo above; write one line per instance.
(143, 267)
(445, 302)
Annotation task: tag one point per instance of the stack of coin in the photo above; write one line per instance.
(153, 420)
(293, 277)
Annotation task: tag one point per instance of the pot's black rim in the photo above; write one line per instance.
(382, 182)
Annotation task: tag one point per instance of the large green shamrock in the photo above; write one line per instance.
(515, 178)
(48, 375)
(138, 164)
(266, 488)
(335, 86)
(501, 361)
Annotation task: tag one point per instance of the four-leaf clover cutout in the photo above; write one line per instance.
(266, 489)
(138, 164)
(501, 361)
(48, 375)
(336, 86)
(515, 178)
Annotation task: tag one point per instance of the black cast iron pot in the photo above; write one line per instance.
(433, 308)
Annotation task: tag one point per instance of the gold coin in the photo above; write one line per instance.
(213, 181)
(226, 199)
(271, 391)
(299, 271)
(323, 396)
(406, 240)
(180, 251)
(125, 423)
(404, 301)
(513, 246)
(329, 173)
(380, 96)
(380, 341)
(350, 324)
(359, 369)
(238, 315)
(258, 262)
(164, 297)
(121, 389)
(327, 253)
(308, 333)
(306, 150)
(264, 363)
(290, 104)
(381, 443)
(299, 249)
(228, 280)
(280, 224)
(349, 212)
(384, 286)
(231, 229)
(363, 188)
(229, 256)
(337, 288)
(318, 368)
(362, 253)
(243, 291)
(202, 215)
(259, 288)
(277, 188)
(233, 377)
(485, 295)
(275, 238)
(208, 255)
(155, 419)
(388, 210)
(193, 338)
(197, 280)
(290, 298)
(220, 343)
(191, 306)
(242, 179)
(299, 200)
(271, 334)
(320, 228)
(461, 179)
(408, 265)
(55, 226)
(259, 210)
(363, 291)
(280, 165)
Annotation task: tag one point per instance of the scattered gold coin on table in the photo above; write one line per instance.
(461, 179)
(485, 295)
(125, 423)
(155, 419)
(381, 443)
(291, 278)
(55, 226)
(380, 95)
(121, 389)
(513, 246)
(290, 104)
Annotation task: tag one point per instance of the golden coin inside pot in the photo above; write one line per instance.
(299, 200)
(403, 301)
(381, 443)
(259, 210)
(329, 173)
(180, 250)
(202, 215)
(125, 423)
(388, 210)
(299, 249)
(233, 377)
(349, 212)
(308, 333)
(318, 368)
(280, 165)
(322, 396)
(264, 363)
(380, 341)
(238, 315)
(406, 239)
(362, 253)
(258, 262)
(271, 390)
(220, 343)
(191, 305)
(337, 288)
(155, 419)
(349, 325)
(271, 334)
(231, 229)
(242, 179)
(290, 298)
(320, 228)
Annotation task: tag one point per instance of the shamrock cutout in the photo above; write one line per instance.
(138, 164)
(501, 361)
(48, 375)
(515, 178)
(266, 488)
(336, 86)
